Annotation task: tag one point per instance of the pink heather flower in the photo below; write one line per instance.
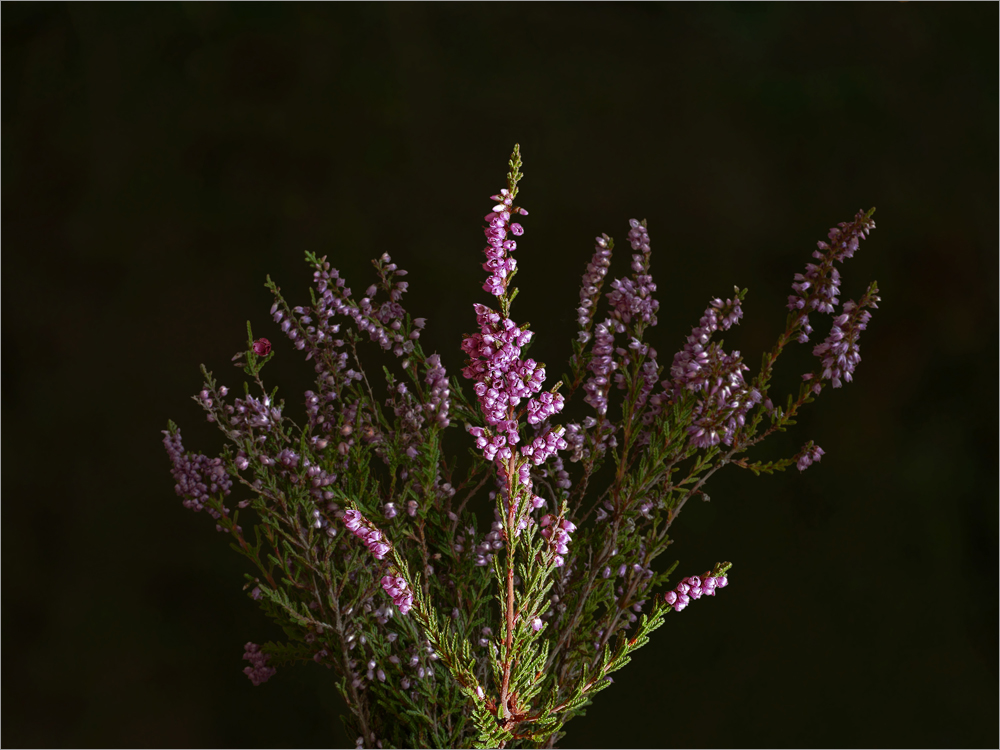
(401, 595)
(809, 454)
(633, 298)
(558, 535)
(691, 366)
(438, 401)
(502, 379)
(704, 367)
(840, 353)
(601, 364)
(353, 519)
(536, 624)
(590, 285)
(258, 671)
(818, 287)
(693, 588)
(261, 347)
(498, 263)
(366, 531)
(198, 477)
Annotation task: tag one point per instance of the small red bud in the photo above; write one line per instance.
(261, 347)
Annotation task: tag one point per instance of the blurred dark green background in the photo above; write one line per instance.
(160, 159)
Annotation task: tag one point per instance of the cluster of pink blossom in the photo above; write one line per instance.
(198, 477)
(498, 263)
(558, 535)
(633, 298)
(690, 369)
(254, 413)
(258, 671)
(502, 378)
(382, 322)
(601, 364)
(702, 365)
(590, 285)
(631, 304)
(840, 354)
(693, 588)
(727, 400)
(818, 287)
(808, 456)
(494, 361)
(401, 595)
(438, 403)
(366, 531)
(601, 438)
(544, 446)
(491, 544)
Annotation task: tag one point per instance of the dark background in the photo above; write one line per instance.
(159, 160)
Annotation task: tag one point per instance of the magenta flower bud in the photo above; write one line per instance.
(261, 347)
(670, 597)
(516, 229)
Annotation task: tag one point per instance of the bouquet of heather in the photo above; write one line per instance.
(367, 553)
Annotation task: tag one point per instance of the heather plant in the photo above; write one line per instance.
(367, 550)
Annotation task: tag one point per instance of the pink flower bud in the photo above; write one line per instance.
(352, 519)
(261, 347)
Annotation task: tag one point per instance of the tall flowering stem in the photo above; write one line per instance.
(502, 381)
